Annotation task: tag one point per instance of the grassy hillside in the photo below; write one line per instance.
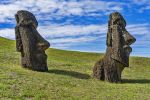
(69, 77)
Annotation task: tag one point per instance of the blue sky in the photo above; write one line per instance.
(80, 25)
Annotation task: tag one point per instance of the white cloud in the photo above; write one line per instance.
(57, 8)
(7, 33)
(144, 8)
(67, 35)
(140, 2)
(60, 31)
(63, 43)
(139, 29)
(144, 5)
(64, 36)
(73, 40)
(54, 31)
(61, 36)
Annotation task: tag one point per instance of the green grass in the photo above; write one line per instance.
(69, 77)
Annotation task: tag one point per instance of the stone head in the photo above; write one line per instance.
(119, 39)
(29, 42)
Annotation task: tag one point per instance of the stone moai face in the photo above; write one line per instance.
(29, 42)
(119, 39)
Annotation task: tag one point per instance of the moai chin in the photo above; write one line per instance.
(118, 50)
(30, 43)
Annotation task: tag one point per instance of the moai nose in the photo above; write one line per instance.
(43, 45)
(129, 39)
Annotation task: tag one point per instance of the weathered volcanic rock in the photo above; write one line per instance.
(116, 57)
(30, 43)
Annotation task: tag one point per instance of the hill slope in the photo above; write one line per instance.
(69, 77)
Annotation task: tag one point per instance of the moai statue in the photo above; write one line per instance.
(30, 43)
(116, 57)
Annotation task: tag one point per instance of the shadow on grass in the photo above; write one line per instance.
(70, 73)
(140, 81)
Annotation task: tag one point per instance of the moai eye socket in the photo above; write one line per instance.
(17, 18)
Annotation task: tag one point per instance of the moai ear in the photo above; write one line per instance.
(19, 46)
(109, 36)
(109, 39)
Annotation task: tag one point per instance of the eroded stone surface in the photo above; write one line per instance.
(30, 43)
(118, 50)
